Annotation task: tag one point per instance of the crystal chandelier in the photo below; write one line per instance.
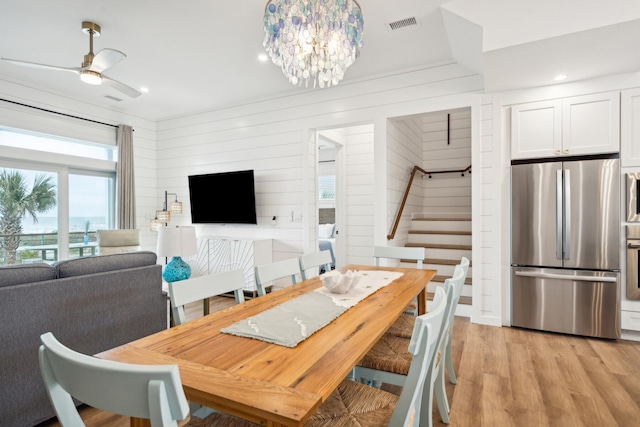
(313, 39)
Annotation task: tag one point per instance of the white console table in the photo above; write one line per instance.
(217, 254)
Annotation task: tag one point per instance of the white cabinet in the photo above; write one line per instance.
(217, 254)
(536, 129)
(588, 124)
(630, 128)
(629, 320)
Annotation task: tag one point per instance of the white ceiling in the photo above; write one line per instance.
(201, 55)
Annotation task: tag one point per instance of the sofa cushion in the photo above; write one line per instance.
(26, 273)
(102, 263)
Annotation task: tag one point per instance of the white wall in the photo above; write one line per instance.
(447, 193)
(404, 151)
(271, 137)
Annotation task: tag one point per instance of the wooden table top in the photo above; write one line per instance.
(268, 383)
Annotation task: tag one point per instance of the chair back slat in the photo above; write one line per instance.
(423, 348)
(399, 253)
(199, 288)
(276, 270)
(141, 391)
(312, 260)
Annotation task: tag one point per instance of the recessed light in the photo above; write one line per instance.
(560, 77)
(144, 89)
(263, 57)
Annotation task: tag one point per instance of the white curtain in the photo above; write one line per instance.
(125, 178)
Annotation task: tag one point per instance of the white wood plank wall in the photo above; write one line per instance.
(360, 190)
(269, 136)
(447, 193)
(404, 151)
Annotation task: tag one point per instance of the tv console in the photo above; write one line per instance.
(222, 253)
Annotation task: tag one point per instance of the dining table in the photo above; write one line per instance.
(266, 383)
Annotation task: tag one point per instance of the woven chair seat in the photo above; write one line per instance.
(390, 354)
(351, 405)
(411, 308)
(403, 327)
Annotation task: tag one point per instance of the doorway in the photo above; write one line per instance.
(327, 178)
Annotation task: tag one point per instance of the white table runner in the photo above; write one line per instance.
(294, 321)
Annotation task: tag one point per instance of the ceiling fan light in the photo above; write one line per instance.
(91, 77)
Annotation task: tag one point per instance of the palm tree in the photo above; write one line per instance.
(16, 201)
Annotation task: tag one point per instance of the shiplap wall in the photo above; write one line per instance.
(360, 194)
(404, 151)
(272, 137)
(144, 137)
(447, 193)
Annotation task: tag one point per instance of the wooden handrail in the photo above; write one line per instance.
(406, 192)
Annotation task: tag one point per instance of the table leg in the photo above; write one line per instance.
(140, 422)
(422, 301)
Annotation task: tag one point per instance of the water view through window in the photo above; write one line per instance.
(37, 201)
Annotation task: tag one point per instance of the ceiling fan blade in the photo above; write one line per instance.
(75, 70)
(106, 58)
(121, 87)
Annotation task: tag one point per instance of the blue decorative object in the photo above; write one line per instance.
(176, 270)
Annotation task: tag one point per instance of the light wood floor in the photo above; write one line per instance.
(515, 377)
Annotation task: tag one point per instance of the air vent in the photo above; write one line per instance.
(403, 23)
(113, 98)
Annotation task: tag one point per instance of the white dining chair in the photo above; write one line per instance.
(389, 362)
(401, 253)
(409, 253)
(153, 392)
(403, 328)
(266, 273)
(203, 287)
(321, 259)
(356, 405)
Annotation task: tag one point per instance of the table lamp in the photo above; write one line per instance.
(176, 242)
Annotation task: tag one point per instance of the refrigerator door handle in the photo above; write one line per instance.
(559, 221)
(566, 277)
(567, 214)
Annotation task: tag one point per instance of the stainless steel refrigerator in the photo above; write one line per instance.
(565, 248)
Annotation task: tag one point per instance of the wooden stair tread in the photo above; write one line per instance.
(463, 299)
(438, 246)
(441, 279)
(442, 219)
(434, 261)
(456, 233)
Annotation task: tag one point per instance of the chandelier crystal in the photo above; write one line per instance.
(313, 39)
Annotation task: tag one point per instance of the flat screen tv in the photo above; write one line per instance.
(223, 198)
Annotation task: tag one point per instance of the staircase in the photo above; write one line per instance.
(445, 240)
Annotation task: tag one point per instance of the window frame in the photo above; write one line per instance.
(63, 165)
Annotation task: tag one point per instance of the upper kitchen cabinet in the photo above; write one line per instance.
(536, 129)
(588, 124)
(630, 128)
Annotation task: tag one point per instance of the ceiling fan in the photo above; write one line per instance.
(93, 65)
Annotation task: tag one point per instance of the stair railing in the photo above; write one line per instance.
(416, 169)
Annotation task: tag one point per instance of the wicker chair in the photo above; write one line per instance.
(388, 361)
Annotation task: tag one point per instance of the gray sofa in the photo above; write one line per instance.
(90, 304)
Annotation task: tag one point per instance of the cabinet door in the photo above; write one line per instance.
(591, 124)
(536, 129)
(630, 128)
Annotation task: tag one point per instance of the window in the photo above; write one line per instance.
(327, 187)
(54, 194)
